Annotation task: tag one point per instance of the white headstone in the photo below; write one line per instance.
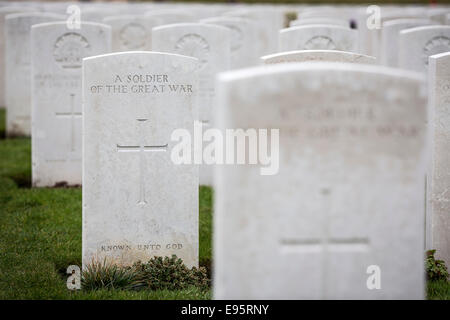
(318, 37)
(210, 44)
(417, 44)
(390, 33)
(57, 54)
(3, 12)
(130, 32)
(438, 217)
(387, 15)
(347, 201)
(318, 55)
(137, 203)
(18, 71)
(269, 20)
(243, 36)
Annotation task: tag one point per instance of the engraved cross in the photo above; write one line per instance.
(141, 149)
(325, 243)
(72, 115)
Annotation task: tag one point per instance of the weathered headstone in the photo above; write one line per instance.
(390, 33)
(57, 54)
(243, 36)
(417, 44)
(438, 213)
(130, 32)
(137, 203)
(318, 37)
(318, 55)
(210, 44)
(18, 71)
(3, 12)
(345, 208)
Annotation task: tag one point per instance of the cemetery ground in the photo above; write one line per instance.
(40, 236)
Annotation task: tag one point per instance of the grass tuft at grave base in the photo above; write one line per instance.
(40, 236)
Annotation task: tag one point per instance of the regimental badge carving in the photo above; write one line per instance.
(133, 36)
(319, 43)
(436, 45)
(195, 46)
(236, 38)
(70, 49)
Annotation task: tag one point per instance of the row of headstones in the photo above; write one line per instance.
(159, 199)
(208, 43)
(133, 32)
(347, 200)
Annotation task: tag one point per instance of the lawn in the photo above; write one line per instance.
(40, 236)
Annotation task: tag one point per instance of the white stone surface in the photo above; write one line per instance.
(417, 44)
(169, 16)
(3, 12)
(390, 33)
(243, 33)
(349, 191)
(318, 55)
(438, 215)
(387, 15)
(131, 32)
(18, 70)
(318, 37)
(210, 44)
(269, 20)
(57, 53)
(438, 14)
(136, 202)
(331, 21)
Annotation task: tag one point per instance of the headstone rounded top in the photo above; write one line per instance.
(136, 53)
(82, 23)
(225, 19)
(190, 24)
(312, 26)
(440, 55)
(309, 67)
(401, 21)
(425, 28)
(317, 55)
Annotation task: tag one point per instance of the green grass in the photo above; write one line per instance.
(40, 236)
(438, 290)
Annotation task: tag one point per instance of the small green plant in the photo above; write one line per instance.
(157, 274)
(169, 273)
(103, 275)
(436, 269)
